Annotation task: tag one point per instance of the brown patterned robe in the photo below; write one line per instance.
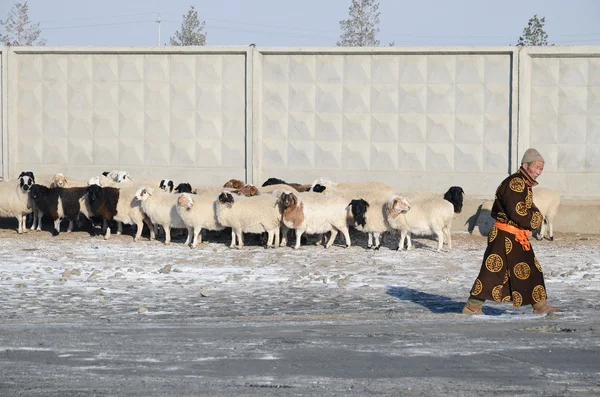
(508, 272)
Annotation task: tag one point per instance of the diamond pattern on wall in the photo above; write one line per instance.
(571, 129)
(80, 151)
(157, 153)
(54, 150)
(469, 98)
(183, 125)
(544, 129)
(301, 154)
(468, 129)
(357, 69)
(441, 69)
(384, 128)
(411, 156)
(593, 129)
(470, 69)
(384, 69)
(183, 152)
(468, 157)
(356, 127)
(328, 98)
(412, 128)
(384, 157)
(208, 153)
(156, 68)
(328, 155)
(413, 70)
(355, 156)
(440, 157)
(156, 126)
(234, 153)
(573, 72)
(328, 127)
(496, 157)
(79, 68)
(301, 126)
(572, 100)
(592, 157)
(330, 69)
(384, 99)
(147, 105)
(302, 69)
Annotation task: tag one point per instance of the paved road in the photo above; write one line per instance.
(438, 354)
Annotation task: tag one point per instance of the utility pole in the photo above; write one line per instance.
(158, 22)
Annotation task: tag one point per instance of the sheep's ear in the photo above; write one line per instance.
(150, 191)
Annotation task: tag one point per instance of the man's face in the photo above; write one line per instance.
(534, 169)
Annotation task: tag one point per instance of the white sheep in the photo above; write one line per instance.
(422, 218)
(314, 213)
(369, 191)
(198, 212)
(547, 201)
(161, 208)
(369, 218)
(15, 201)
(257, 214)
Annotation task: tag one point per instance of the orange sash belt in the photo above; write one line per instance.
(521, 235)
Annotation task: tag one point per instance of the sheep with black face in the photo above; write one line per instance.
(255, 214)
(15, 201)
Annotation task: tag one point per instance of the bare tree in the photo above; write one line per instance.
(361, 27)
(18, 29)
(534, 34)
(192, 31)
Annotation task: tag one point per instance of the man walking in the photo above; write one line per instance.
(510, 271)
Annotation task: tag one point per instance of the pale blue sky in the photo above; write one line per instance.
(311, 22)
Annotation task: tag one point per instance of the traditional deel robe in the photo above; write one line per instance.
(509, 272)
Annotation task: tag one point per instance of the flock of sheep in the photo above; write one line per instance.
(272, 209)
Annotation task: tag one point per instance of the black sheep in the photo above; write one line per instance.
(47, 200)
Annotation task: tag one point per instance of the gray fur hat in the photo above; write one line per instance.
(531, 155)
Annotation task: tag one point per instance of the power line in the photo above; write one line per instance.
(95, 25)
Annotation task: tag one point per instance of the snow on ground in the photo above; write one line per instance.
(75, 276)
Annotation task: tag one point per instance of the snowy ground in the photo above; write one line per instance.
(84, 316)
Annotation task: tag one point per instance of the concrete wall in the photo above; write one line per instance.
(416, 118)
(559, 112)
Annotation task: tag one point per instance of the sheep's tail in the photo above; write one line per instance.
(455, 196)
(359, 210)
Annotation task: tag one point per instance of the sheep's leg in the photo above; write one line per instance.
(138, 231)
(56, 230)
(377, 241)
(240, 237)
(550, 230)
(197, 232)
(106, 228)
(155, 230)
(401, 240)
(447, 237)
(20, 227)
(270, 238)
(190, 232)
(34, 222)
(276, 244)
(167, 234)
(334, 233)
(298, 237)
(284, 234)
(119, 228)
(409, 245)
(151, 226)
(370, 240)
(70, 228)
(346, 234)
(233, 236)
(440, 236)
